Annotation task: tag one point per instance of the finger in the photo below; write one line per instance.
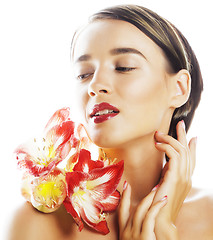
(141, 211)
(183, 151)
(171, 153)
(149, 221)
(192, 149)
(185, 155)
(124, 207)
(186, 160)
(164, 138)
(181, 133)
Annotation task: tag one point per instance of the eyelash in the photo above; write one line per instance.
(119, 69)
(124, 69)
(83, 76)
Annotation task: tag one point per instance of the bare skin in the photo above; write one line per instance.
(134, 83)
(31, 224)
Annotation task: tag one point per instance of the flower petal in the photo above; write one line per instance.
(85, 164)
(43, 154)
(71, 162)
(65, 150)
(100, 226)
(81, 203)
(60, 134)
(104, 181)
(89, 211)
(74, 181)
(28, 162)
(26, 186)
(111, 203)
(58, 118)
(81, 133)
(75, 214)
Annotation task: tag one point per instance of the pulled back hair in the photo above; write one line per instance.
(175, 47)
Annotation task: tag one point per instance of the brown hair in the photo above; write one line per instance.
(175, 47)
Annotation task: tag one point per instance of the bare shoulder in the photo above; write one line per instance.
(202, 199)
(20, 221)
(28, 223)
(196, 215)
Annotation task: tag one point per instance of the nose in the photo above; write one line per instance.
(100, 84)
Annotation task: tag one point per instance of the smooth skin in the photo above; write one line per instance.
(176, 182)
(115, 62)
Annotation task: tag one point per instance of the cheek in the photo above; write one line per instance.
(144, 92)
(146, 101)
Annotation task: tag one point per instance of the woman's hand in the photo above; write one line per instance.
(176, 175)
(155, 216)
(141, 223)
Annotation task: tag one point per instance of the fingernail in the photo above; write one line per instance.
(183, 124)
(155, 188)
(125, 185)
(164, 198)
(195, 140)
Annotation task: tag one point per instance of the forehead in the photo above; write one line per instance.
(104, 35)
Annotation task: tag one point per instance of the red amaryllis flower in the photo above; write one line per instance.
(91, 191)
(60, 116)
(82, 142)
(45, 193)
(42, 155)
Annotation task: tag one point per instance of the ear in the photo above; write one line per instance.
(181, 88)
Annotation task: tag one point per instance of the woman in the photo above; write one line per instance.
(139, 84)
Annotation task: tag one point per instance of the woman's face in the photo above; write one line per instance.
(123, 84)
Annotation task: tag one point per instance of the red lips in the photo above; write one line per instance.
(103, 111)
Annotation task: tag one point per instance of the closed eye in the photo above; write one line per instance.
(124, 69)
(119, 69)
(84, 76)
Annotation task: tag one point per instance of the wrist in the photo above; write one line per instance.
(171, 233)
(166, 231)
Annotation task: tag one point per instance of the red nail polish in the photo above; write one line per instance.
(125, 185)
(156, 187)
(164, 198)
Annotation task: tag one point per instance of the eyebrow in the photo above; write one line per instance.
(83, 58)
(115, 51)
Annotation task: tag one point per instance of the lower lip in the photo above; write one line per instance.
(103, 118)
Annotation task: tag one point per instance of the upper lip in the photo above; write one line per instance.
(102, 106)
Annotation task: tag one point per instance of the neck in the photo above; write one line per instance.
(142, 165)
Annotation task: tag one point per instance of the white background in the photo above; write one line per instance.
(35, 75)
